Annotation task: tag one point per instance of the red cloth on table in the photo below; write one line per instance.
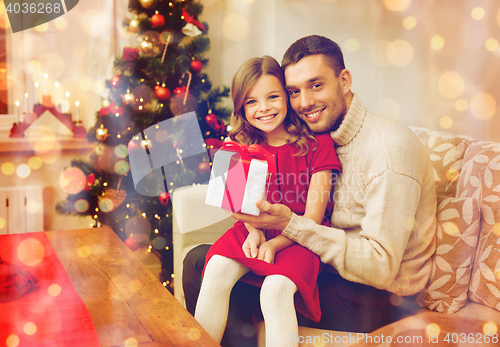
(289, 186)
(51, 314)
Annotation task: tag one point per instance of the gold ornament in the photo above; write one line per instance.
(128, 98)
(146, 3)
(149, 44)
(101, 133)
(133, 25)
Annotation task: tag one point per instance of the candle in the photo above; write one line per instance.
(26, 105)
(55, 96)
(46, 82)
(77, 103)
(18, 117)
(35, 101)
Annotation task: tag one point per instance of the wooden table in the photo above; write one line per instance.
(127, 304)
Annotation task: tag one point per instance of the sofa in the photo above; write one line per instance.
(461, 303)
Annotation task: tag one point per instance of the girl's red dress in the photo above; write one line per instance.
(289, 186)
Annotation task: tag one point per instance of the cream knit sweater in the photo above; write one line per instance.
(384, 218)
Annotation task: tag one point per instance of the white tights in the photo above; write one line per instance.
(276, 301)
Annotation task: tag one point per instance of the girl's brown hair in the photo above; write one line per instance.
(243, 81)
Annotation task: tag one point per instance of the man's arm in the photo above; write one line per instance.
(372, 253)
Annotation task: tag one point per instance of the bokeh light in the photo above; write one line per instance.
(135, 285)
(235, 27)
(29, 328)
(122, 167)
(483, 106)
(30, 252)
(496, 229)
(81, 205)
(351, 45)
(106, 205)
(477, 13)
(84, 251)
(34, 163)
(130, 342)
(451, 228)
(2, 223)
(378, 53)
(491, 45)
(121, 151)
(461, 105)
(23, 171)
(432, 329)
(446, 122)
(248, 1)
(451, 85)
(452, 175)
(400, 52)
(61, 23)
(490, 328)
(12, 341)
(54, 290)
(437, 42)
(95, 22)
(34, 66)
(42, 27)
(72, 180)
(193, 334)
(33, 207)
(8, 168)
(397, 5)
(409, 22)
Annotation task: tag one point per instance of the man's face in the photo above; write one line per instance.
(316, 94)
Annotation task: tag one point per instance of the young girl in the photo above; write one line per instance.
(268, 259)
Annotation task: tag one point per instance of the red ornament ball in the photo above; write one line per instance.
(116, 81)
(204, 167)
(162, 93)
(157, 21)
(164, 198)
(196, 65)
(211, 118)
(131, 243)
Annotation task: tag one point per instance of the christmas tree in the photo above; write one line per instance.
(159, 78)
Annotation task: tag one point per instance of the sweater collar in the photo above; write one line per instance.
(351, 124)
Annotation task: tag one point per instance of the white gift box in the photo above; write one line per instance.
(235, 183)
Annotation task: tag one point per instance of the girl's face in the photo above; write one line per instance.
(266, 105)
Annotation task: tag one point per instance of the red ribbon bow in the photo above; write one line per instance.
(188, 18)
(249, 152)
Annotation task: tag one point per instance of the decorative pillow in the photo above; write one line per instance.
(447, 152)
(457, 236)
(480, 178)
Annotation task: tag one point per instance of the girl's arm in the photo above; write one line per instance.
(317, 199)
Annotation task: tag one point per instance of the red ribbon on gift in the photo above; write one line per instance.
(239, 168)
(188, 18)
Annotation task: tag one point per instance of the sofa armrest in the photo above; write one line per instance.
(194, 223)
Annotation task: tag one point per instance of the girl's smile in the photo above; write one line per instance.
(266, 108)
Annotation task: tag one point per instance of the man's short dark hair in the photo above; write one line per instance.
(312, 45)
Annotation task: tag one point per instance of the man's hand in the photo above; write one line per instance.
(254, 239)
(272, 216)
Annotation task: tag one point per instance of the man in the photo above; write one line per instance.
(381, 238)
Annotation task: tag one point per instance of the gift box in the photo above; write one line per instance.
(239, 177)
